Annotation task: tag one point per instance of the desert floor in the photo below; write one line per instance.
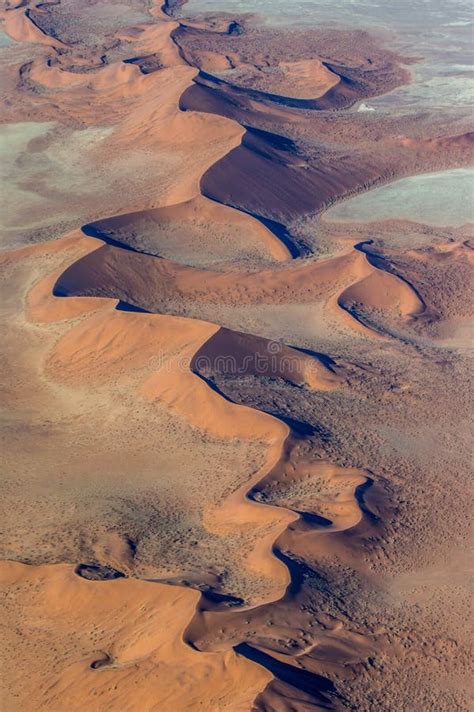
(236, 424)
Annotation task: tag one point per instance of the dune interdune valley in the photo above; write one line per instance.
(237, 259)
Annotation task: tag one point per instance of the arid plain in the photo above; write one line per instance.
(236, 424)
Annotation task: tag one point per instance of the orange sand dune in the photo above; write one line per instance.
(310, 78)
(111, 343)
(233, 353)
(321, 488)
(148, 280)
(20, 27)
(118, 351)
(112, 645)
(155, 284)
(90, 385)
(195, 230)
(192, 398)
(113, 346)
(42, 306)
(112, 78)
(301, 79)
(383, 292)
(156, 40)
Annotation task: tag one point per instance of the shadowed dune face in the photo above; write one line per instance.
(349, 284)
(231, 353)
(298, 67)
(234, 433)
(197, 232)
(119, 644)
(90, 373)
(150, 282)
(256, 177)
(85, 159)
(264, 177)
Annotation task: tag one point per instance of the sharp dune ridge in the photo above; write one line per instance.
(38, 307)
(258, 184)
(163, 285)
(234, 511)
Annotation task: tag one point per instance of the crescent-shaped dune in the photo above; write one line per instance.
(228, 352)
(107, 668)
(194, 232)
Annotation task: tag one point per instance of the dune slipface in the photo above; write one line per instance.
(235, 438)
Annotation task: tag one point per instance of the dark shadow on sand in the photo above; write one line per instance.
(317, 686)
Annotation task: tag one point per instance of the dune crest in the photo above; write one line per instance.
(19, 26)
(148, 652)
(212, 495)
(196, 225)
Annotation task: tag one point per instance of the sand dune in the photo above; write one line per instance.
(199, 517)
(302, 78)
(117, 341)
(113, 353)
(20, 26)
(381, 291)
(198, 231)
(158, 285)
(233, 353)
(256, 177)
(149, 281)
(113, 345)
(137, 647)
(42, 306)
